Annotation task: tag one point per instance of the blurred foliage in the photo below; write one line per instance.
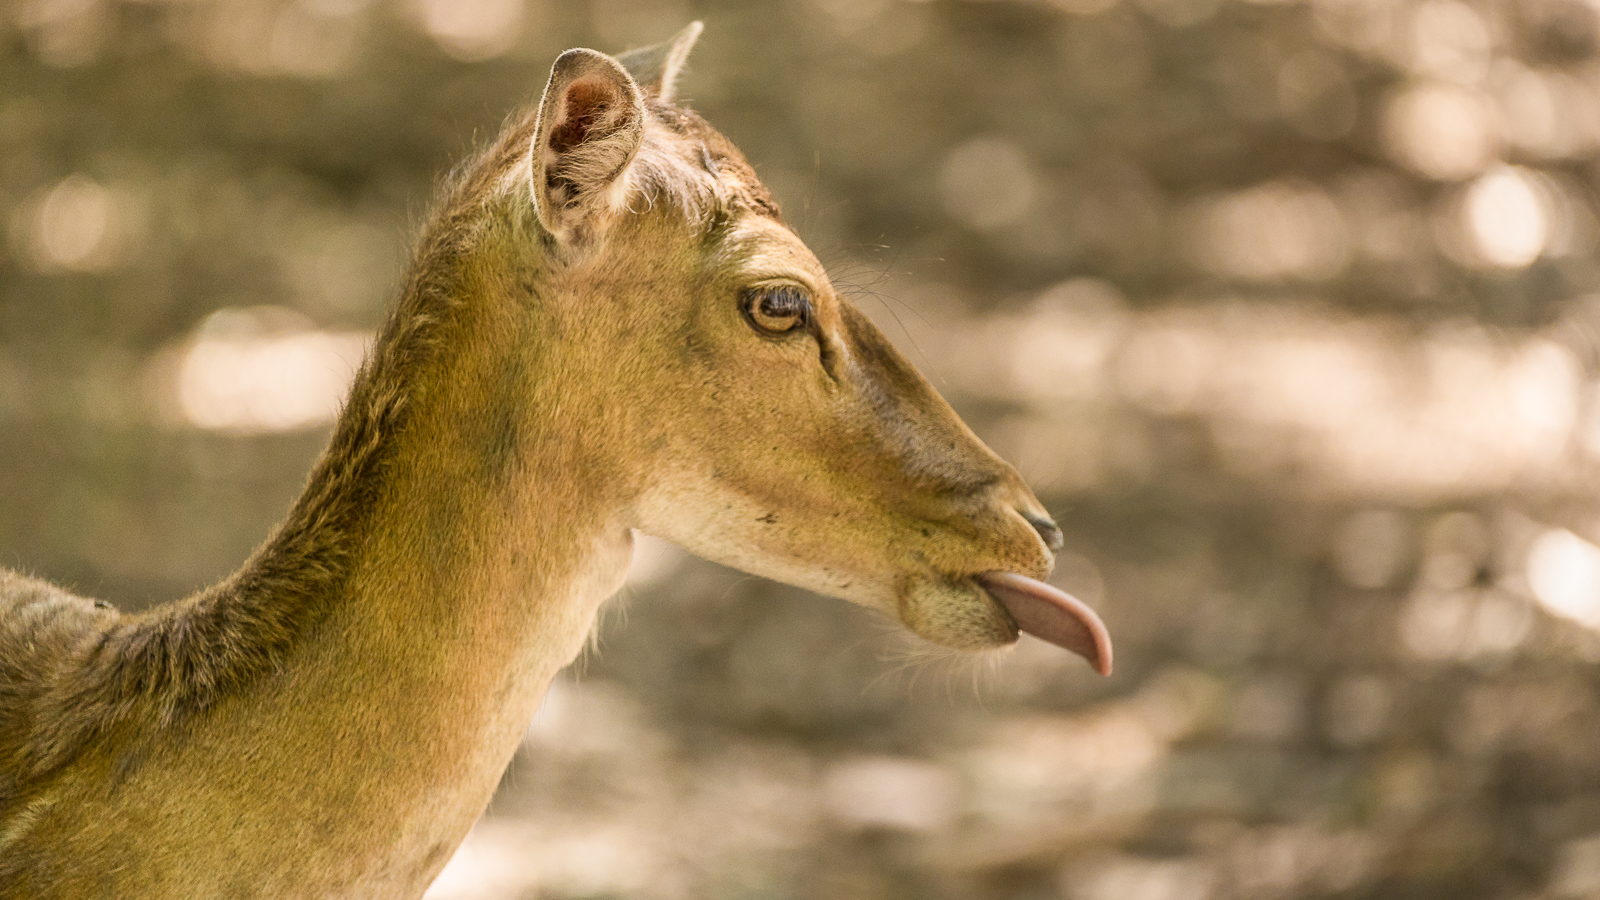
(1287, 308)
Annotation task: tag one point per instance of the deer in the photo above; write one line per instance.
(607, 328)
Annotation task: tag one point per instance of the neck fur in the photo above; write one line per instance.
(451, 528)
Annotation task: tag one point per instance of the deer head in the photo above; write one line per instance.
(756, 417)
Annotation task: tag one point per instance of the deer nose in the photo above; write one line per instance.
(1047, 529)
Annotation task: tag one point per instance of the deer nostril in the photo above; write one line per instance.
(1047, 529)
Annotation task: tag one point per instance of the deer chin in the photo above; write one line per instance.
(954, 612)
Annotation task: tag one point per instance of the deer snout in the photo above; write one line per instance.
(1049, 532)
(1028, 526)
(999, 527)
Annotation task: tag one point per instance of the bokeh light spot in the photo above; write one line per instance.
(1439, 130)
(259, 370)
(479, 30)
(73, 225)
(1450, 41)
(890, 792)
(1564, 574)
(1274, 231)
(1508, 217)
(987, 183)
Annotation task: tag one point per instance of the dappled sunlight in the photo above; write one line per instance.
(74, 226)
(510, 859)
(257, 370)
(1548, 113)
(987, 183)
(1464, 624)
(1288, 311)
(1509, 217)
(311, 40)
(1270, 232)
(1139, 878)
(1577, 872)
(1450, 41)
(1356, 405)
(472, 31)
(1088, 760)
(491, 862)
(1442, 131)
(1564, 573)
(886, 792)
(1039, 781)
(1071, 333)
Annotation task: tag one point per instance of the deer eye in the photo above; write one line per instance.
(776, 309)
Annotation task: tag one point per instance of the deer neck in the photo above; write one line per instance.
(497, 527)
(481, 540)
(498, 524)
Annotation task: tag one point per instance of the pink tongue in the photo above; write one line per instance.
(1052, 615)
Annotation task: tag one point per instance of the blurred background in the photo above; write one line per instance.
(1290, 311)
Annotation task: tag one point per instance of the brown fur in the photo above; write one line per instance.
(176, 659)
(566, 363)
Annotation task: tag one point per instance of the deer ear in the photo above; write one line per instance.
(656, 69)
(590, 126)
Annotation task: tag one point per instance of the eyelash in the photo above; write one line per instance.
(790, 302)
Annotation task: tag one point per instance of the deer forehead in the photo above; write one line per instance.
(764, 248)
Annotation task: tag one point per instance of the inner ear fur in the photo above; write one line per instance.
(590, 126)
